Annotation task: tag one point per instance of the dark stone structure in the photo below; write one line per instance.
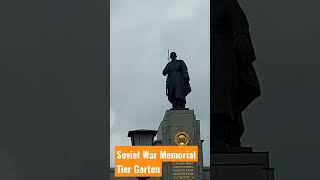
(178, 123)
(177, 85)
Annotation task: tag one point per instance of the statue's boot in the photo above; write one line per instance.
(179, 104)
(235, 131)
(219, 142)
(174, 104)
(184, 103)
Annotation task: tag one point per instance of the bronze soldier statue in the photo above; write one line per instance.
(177, 84)
(233, 81)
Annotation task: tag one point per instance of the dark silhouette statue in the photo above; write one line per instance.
(233, 81)
(177, 84)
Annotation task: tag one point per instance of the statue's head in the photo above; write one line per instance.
(173, 55)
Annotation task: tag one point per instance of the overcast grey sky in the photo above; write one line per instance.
(141, 33)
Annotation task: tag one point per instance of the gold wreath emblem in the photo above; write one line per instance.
(181, 138)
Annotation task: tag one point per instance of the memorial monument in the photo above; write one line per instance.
(234, 85)
(179, 126)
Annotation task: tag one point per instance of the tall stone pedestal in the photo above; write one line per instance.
(241, 166)
(174, 124)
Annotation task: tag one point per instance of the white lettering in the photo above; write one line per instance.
(129, 155)
(148, 169)
(148, 155)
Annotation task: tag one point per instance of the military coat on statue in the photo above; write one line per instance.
(234, 84)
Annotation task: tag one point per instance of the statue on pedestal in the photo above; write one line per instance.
(233, 81)
(177, 84)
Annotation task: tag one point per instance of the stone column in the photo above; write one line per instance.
(174, 124)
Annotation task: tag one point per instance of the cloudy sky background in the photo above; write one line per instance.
(141, 33)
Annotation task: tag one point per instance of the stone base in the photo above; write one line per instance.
(240, 150)
(174, 122)
(179, 109)
(241, 166)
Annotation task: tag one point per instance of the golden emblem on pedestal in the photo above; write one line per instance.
(181, 138)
